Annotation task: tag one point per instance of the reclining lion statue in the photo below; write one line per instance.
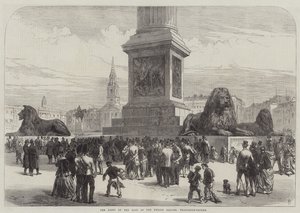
(33, 125)
(262, 126)
(217, 118)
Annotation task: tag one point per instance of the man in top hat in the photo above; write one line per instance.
(279, 154)
(176, 158)
(269, 145)
(19, 152)
(205, 150)
(242, 168)
(254, 150)
(33, 158)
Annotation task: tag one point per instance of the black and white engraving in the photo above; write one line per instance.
(150, 106)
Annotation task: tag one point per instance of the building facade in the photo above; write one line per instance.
(12, 122)
(284, 116)
(48, 113)
(238, 107)
(196, 104)
(282, 109)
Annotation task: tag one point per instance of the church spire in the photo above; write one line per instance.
(44, 102)
(113, 87)
(112, 75)
(113, 63)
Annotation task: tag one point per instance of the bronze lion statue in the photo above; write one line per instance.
(33, 125)
(262, 126)
(217, 118)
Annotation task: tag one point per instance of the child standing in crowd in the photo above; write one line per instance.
(194, 180)
(208, 182)
(112, 172)
(19, 152)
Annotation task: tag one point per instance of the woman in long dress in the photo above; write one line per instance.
(213, 154)
(64, 185)
(265, 178)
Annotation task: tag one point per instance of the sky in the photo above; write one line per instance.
(65, 53)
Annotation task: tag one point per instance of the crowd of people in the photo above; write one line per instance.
(82, 159)
(256, 163)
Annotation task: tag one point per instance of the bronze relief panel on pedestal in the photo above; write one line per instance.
(149, 76)
(176, 77)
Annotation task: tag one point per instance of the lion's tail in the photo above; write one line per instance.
(61, 128)
(186, 125)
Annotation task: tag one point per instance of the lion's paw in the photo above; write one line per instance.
(224, 132)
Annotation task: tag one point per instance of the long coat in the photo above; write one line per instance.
(26, 157)
(50, 146)
(33, 157)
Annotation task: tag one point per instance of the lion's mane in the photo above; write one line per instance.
(262, 126)
(218, 113)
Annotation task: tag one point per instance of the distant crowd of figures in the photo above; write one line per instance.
(115, 149)
(166, 158)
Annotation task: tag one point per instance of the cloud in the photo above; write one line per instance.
(275, 52)
(52, 36)
(56, 61)
(61, 50)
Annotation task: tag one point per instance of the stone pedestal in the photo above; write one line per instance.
(78, 126)
(155, 62)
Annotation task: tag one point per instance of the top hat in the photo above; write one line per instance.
(197, 168)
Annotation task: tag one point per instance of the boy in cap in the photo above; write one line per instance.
(194, 180)
(113, 173)
(208, 182)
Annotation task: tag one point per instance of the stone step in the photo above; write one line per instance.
(142, 130)
(148, 111)
(147, 121)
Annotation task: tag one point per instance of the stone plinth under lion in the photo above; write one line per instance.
(219, 118)
(33, 125)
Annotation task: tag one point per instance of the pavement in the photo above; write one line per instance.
(22, 190)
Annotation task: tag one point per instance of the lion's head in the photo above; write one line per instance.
(219, 100)
(28, 113)
(265, 121)
(219, 111)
